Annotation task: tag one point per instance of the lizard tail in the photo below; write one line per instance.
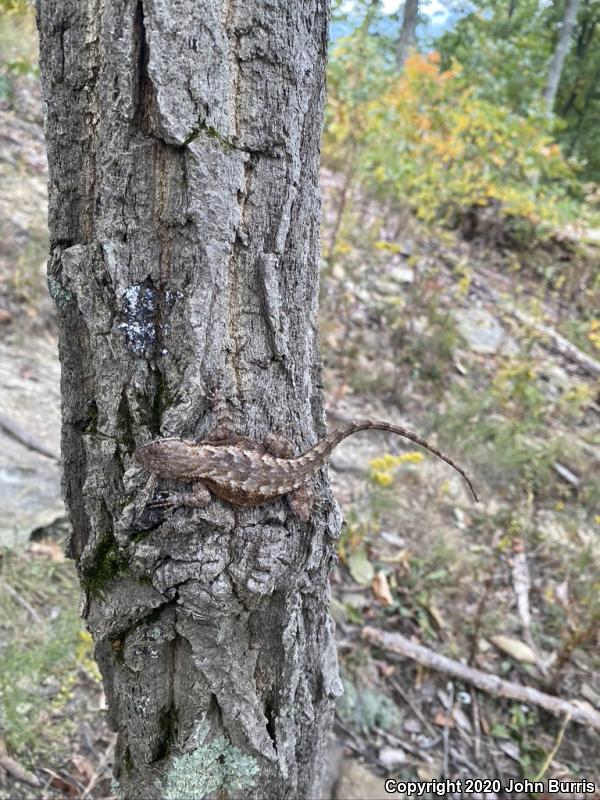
(326, 445)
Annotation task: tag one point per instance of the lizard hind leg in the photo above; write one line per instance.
(301, 502)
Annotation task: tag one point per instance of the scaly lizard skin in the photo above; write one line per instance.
(246, 473)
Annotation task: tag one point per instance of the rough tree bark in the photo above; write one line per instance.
(560, 53)
(183, 146)
(407, 36)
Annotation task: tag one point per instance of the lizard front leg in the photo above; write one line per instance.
(199, 497)
(224, 433)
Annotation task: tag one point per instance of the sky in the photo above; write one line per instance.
(438, 17)
(429, 6)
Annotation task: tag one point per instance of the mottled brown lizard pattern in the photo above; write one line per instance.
(245, 473)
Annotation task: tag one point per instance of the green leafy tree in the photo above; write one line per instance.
(506, 50)
(429, 139)
(578, 98)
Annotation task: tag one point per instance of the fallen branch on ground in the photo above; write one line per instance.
(13, 768)
(19, 433)
(12, 592)
(491, 684)
(549, 337)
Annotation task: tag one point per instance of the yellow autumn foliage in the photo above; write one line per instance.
(383, 467)
(424, 138)
(594, 333)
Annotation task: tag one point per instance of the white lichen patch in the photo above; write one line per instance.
(211, 766)
(59, 293)
(172, 297)
(139, 303)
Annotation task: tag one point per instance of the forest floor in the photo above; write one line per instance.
(458, 340)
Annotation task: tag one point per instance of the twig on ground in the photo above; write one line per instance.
(521, 586)
(413, 707)
(404, 745)
(476, 725)
(21, 435)
(21, 601)
(554, 751)
(486, 593)
(101, 768)
(482, 680)
(352, 741)
(549, 337)
(461, 759)
(15, 769)
(446, 731)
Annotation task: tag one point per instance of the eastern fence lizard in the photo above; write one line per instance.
(246, 473)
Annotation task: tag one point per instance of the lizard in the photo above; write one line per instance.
(245, 472)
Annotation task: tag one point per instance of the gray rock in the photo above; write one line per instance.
(30, 397)
(402, 274)
(483, 332)
(392, 757)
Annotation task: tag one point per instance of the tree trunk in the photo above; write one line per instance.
(183, 146)
(371, 12)
(407, 37)
(560, 53)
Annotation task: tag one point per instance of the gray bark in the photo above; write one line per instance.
(183, 146)
(560, 53)
(407, 37)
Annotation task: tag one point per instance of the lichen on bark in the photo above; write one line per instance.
(213, 765)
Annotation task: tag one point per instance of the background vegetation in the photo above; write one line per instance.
(460, 202)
